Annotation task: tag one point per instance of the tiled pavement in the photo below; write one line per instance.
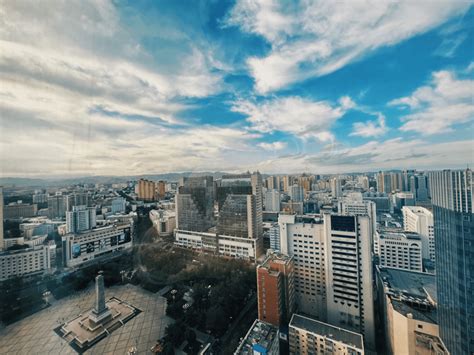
(35, 334)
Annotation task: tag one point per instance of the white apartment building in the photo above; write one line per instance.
(272, 200)
(222, 245)
(401, 250)
(274, 236)
(303, 238)
(164, 221)
(81, 218)
(309, 336)
(355, 205)
(87, 246)
(24, 262)
(349, 280)
(118, 205)
(420, 220)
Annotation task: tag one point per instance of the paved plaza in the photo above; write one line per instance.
(35, 334)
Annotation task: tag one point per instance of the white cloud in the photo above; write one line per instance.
(316, 38)
(438, 106)
(370, 128)
(302, 117)
(273, 146)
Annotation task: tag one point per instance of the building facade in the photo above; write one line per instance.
(409, 316)
(310, 336)
(19, 210)
(85, 247)
(302, 237)
(80, 218)
(349, 280)
(401, 250)
(195, 204)
(272, 200)
(35, 260)
(451, 195)
(275, 289)
(420, 220)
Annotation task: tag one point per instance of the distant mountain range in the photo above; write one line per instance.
(32, 182)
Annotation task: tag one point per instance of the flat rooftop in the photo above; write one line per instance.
(411, 292)
(260, 333)
(327, 330)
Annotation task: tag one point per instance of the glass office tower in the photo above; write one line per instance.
(451, 193)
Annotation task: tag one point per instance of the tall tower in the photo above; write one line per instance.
(453, 213)
(195, 204)
(349, 280)
(100, 312)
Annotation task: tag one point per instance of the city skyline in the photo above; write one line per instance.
(118, 88)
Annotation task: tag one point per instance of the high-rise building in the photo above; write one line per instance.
(274, 236)
(272, 200)
(296, 193)
(419, 187)
(305, 182)
(349, 280)
(359, 207)
(401, 250)
(81, 218)
(161, 189)
(384, 182)
(420, 220)
(57, 206)
(406, 176)
(336, 188)
(270, 183)
(302, 237)
(118, 205)
(195, 204)
(396, 181)
(240, 205)
(77, 199)
(310, 336)
(1, 218)
(146, 190)
(451, 195)
(40, 198)
(286, 183)
(275, 289)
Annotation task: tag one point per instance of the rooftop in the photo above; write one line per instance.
(393, 234)
(261, 335)
(411, 292)
(327, 330)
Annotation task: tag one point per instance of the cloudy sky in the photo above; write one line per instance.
(137, 87)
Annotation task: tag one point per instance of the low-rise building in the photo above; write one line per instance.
(164, 221)
(261, 339)
(30, 261)
(397, 249)
(88, 246)
(18, 210)
(309, 336)
(222, 245)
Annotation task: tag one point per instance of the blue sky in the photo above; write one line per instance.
(137, 87)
